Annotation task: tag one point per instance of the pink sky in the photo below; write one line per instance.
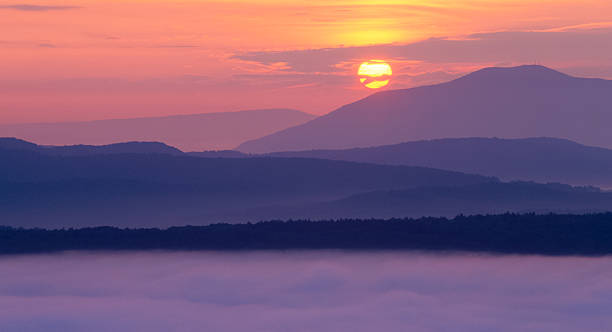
(94, 59)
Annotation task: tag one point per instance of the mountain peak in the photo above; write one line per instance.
(512, 102)
(525, 72)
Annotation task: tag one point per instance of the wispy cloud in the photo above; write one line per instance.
(37, 8)
(565, 45)
(586, 26)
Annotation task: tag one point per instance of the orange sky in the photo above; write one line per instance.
(93, 59)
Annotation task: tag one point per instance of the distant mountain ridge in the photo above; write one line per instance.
(151, 184)
(41, 188)
(485, 198)
(517, 102)
(10, 143)
(194, 132)
(155, 185)
(540, 159)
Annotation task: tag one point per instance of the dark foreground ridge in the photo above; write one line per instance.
(551, 234)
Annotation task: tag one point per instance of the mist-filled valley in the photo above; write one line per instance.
(303, 291)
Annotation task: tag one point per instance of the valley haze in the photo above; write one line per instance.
(192, 132)
(141, 184)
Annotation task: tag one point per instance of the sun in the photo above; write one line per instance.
(374, 74)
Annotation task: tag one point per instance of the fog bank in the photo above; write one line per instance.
(303, 291)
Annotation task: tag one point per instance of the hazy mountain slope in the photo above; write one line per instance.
(211, 131)
(526, 101)
(534, 159)
(474, 199)
(75, 203)
(225, 174)
(485, 198)
(42, 189)
(38, 189)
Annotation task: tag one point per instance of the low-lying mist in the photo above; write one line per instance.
(303, 291)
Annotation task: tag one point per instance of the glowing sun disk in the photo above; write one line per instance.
(374, 74)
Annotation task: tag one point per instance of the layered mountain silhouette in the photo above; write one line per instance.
(533, 159)
(39, 188)
(151, 184)
(484, 198)
(229, 175)
(518, 102)
(447, 201)
(197, 132)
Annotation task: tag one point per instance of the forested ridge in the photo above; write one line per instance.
(550, 234)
